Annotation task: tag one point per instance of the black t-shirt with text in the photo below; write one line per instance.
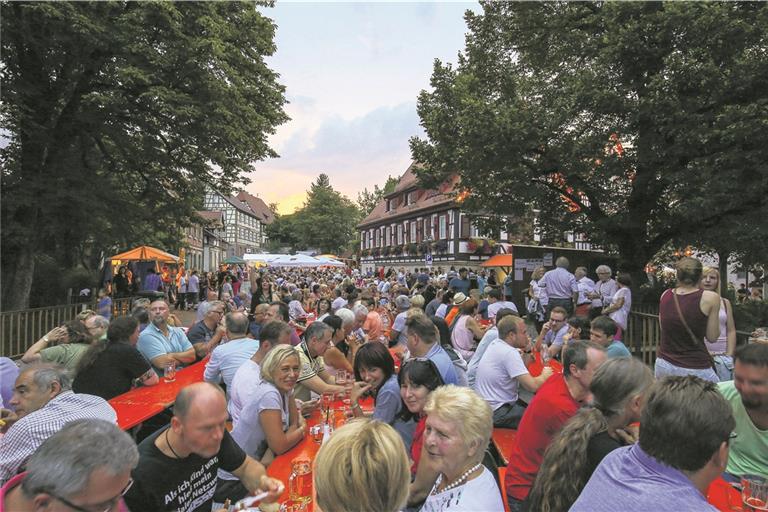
(163, 483)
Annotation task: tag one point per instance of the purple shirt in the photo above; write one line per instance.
(152, 282)
(8, 373)
(559, 284)
(628, 479)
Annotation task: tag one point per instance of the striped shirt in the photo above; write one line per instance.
(27, 434)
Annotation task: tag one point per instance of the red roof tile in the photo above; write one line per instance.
(425, 199)
(257, 206)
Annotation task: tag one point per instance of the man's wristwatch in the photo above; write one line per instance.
(46, 339)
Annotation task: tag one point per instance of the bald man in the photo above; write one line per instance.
(178, 465)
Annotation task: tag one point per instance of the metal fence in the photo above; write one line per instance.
(20, 329)
(644, 333)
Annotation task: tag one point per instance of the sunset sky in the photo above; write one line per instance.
(352, 73)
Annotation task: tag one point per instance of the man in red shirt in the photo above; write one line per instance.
(556, 401)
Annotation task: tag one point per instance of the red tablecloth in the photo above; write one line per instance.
(143, 402)
(724, 496)
(536, 366)
(280, 468)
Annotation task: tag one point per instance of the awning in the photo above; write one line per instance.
(499, 260)
(146, 253)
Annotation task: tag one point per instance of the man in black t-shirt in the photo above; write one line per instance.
(111, 369)
(178, 465)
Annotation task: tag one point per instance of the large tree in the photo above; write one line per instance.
(637, 123)
(118, 115)
(327, 220)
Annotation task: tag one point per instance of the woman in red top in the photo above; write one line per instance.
(417, 379)
(687, 316)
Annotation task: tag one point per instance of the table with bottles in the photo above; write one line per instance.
(294, 467)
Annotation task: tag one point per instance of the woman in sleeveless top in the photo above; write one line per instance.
(687, 316)
(466, 331)
(722, 349)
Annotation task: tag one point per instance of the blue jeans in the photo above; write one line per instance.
(664, 368)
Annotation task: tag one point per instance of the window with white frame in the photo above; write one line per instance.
(412, 237)
(399, 234)
(443, 227)
(387, 236)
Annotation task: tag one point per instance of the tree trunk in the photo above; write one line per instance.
(722, 261)
(19, 273)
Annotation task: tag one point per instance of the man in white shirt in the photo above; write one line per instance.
(502, 370)
(490, 335)
(227, 357)
(605, 288)
(495, 303)
(586, 288)
(560, 286)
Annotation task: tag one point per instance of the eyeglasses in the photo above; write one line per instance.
(111, 502)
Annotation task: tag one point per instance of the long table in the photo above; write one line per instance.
(280, 467)
(144, 402)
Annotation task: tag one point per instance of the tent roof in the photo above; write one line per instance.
(499, 260)
(146, 253)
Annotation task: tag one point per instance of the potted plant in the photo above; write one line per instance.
(412, 248)
(397, 250)
(385, 251)
(441, 246)
(375, 252)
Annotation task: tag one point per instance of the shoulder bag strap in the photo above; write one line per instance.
(696, 341)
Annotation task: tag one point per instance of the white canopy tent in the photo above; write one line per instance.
(288, 260)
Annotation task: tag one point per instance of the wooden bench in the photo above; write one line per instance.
(502, 440)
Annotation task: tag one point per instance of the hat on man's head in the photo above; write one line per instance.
(459, 298)
(402, 302)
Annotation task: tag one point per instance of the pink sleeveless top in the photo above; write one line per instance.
(462, 338)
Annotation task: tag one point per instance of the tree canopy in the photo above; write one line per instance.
(367, 201)
(119, 114)
(636, 123)
(326, 222)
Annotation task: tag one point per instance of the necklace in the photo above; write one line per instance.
(169, 445)
(459, 480)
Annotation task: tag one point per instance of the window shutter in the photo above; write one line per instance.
(464, 226)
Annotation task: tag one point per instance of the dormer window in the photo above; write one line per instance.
(389, 205)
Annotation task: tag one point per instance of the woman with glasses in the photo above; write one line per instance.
(269, 421)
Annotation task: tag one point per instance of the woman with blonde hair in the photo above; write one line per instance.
(722, 349)
(362, 467)
(457, 432)
(269, 421)
(619, 388)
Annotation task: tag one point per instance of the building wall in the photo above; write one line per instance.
(243, 232)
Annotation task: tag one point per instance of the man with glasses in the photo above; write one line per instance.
(163, 344)
(605, 288)
(86, 467)
(208, 333)
(683, 447)
(43, 403)
(552, 332)
(314, 377)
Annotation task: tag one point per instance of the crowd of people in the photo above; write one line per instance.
(446, 356)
